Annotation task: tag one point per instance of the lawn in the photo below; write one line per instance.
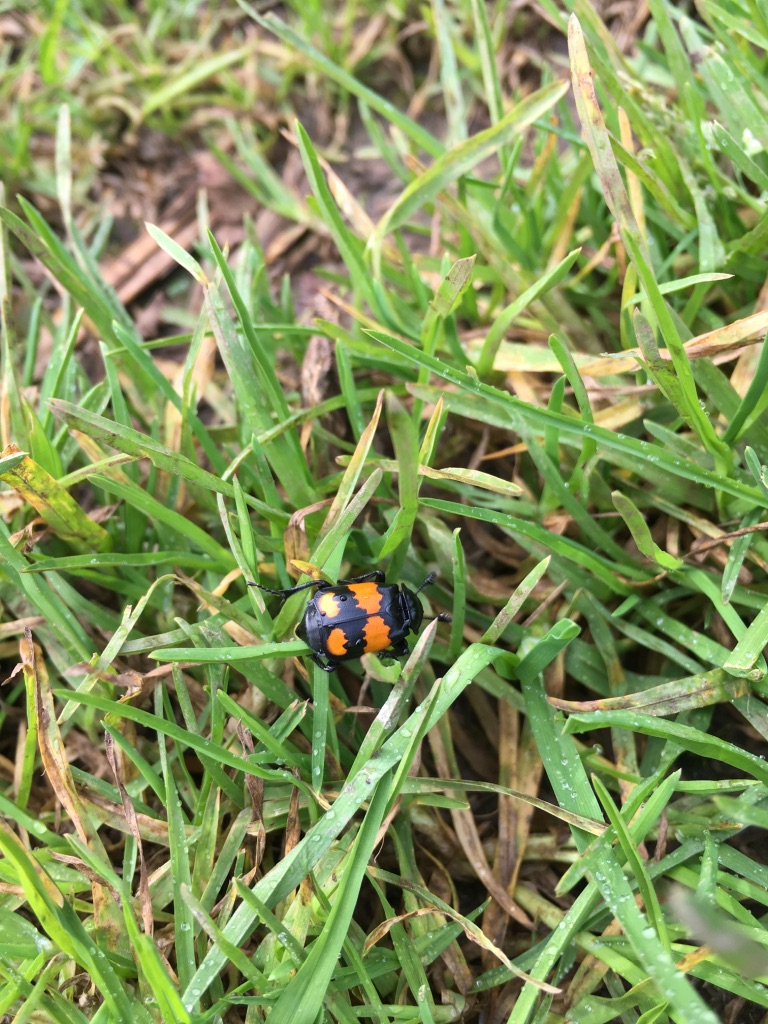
(296, 293)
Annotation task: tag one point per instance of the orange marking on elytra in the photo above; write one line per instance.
(328, 605)
(376, 633)
(368, 596)
(336, 643)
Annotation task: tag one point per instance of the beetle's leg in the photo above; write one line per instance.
(292, 590)
(325, 666)
(376, 575)
(399, 650)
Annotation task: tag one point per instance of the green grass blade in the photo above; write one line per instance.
(464, 156)
(418, 135)
(301, 1002)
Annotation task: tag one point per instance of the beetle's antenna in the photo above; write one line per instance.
(443, 616)
(285, 593)
(430, 579)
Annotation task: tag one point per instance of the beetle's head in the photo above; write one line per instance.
(413, 608)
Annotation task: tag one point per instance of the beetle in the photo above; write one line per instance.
(358, 616)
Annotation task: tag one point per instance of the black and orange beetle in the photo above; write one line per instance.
(363, 615)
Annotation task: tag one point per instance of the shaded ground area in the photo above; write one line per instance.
(134, 170)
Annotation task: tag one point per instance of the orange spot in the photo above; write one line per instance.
(328, 605)
(336, 643)
(368, 596)
(376, 634)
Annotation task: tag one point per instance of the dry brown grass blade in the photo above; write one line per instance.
(56, 766)
(508, 853)
(50, 742)
(472, 931)
(293, 823)
(466, 829)
(256, 793)
(519, 762)
(382, 930)
(727, 343)
(152, 830)
(145, 900)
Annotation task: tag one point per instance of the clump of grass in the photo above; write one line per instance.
(548, 351)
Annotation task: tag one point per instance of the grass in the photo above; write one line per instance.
(549, 352)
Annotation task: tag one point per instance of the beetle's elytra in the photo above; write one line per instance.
(358, 616)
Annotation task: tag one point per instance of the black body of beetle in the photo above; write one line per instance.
(358, 616)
